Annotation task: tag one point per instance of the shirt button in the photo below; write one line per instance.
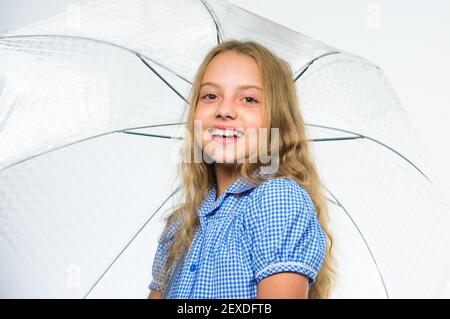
(193, 267)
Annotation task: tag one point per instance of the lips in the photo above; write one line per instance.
(214, 131)
(225, 136)
(225, 140)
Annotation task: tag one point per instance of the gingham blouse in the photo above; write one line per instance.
(249, 233)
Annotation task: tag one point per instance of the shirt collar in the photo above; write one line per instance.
(238, 186)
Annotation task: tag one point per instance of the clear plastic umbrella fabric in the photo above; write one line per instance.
(92, 109)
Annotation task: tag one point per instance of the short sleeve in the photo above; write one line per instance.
(164, 242)
(284, 231)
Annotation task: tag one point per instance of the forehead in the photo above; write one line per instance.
(233, 69)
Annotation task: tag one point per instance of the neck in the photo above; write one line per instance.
(225, 176)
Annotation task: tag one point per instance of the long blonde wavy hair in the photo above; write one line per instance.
(280, 110)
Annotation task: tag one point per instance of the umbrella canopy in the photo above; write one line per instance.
(92, 110)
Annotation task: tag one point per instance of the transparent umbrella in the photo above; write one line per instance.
(92, 110)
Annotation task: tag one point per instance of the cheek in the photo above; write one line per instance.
(201, 113)
(254, 119)
(197, 113)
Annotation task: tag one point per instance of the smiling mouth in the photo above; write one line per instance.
(228, 136)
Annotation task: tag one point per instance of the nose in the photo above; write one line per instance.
(226, 109)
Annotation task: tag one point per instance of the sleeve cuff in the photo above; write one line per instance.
(155, 286)
(297, 267)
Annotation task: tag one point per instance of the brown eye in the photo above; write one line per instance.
(206, 95)
(251, 99)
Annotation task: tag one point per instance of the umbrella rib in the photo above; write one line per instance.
(334, 139)
(152, 135)
(79, 141)
(96, 40)
(130, 241)
(303, 70)
(211, 13)
(373, 140)
(162, 79)
(156, 125)
(332, 201)
(363, 238)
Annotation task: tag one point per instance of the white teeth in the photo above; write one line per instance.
(226, 133)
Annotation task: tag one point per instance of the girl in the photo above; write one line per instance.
(245, 230)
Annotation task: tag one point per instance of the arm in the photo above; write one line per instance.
(155, 294)
(289, 285)
(287, 243)
(164, 243)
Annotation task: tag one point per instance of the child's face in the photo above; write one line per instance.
(225, 103)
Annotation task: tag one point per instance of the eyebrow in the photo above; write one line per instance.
(241, 87)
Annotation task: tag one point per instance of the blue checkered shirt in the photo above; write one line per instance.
(247, 234)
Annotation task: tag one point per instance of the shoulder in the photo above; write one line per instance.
(281, 190)
(277, 196)
(283, 184)
(170, 229)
